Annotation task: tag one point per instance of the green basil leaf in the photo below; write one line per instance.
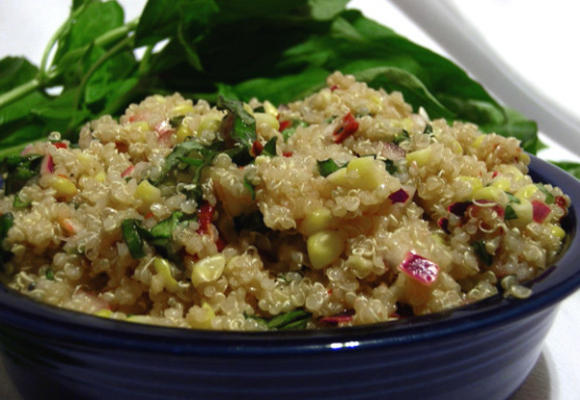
(481, 252)
(19, 170)
(130, 229)
(549, 197)
(248, 185)
(510, 213)
(19, 204)
(390, 167)
(270, 147)
(327, 167)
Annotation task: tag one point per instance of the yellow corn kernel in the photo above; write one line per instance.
(147, 193)
(526, 192)
(338, 177)
(473, 181)
(456, 147)
(324, 248)
(183, 132)
(376, 104)
(248, 109)
(268, 119)
(478, 141)
(365, 173)
(525, 157)
(140, 319)
(556, 230)
(420, 157)
(64, 187)
(104, 313)
(270, 109)
(524, 211)
(139, 126)
(315, 221)
(208, 269)
(360, 265)
(489, 193)
(163, 268)
(210, 122)
(182, 109)
(502, 183)
(514, 172)
(101, 176)
(207, 314)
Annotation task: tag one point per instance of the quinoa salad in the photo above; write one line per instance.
(342, 209)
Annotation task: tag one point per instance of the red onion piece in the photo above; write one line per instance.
(47, 165)
(541, 211)
(459, 208)
(400, 196)
(128, 171)
(419, 269)
(336, 319)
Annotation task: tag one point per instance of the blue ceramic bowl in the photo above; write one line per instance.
(483, 351)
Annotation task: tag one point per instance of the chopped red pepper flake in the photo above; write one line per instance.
(60, 145)
(419, 269)
(205, 215)
(333, 88)
(495, 173)
(560, 201)
(284, 125)
(347, 128)
(257, 148)
(287, 154)
(220, 244)
(149, 215)
(541, 211)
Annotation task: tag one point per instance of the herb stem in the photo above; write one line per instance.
(26, 88)
(117, 33)
(42, 72)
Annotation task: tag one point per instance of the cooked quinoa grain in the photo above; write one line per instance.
(345, 208)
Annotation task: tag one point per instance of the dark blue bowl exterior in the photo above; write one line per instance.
(482, 352)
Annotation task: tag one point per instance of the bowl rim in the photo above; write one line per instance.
(25, 314)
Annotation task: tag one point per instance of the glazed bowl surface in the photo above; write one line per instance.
(482, 351)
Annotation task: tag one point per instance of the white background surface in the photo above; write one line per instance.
(537, 38)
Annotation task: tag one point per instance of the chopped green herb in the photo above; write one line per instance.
(259, 109)
(391, 167)
(132, 235)
(330, 119)
(192, 162)
(6, 222)
(296, 319)
(49, 274)
(510, 213)
(240, 125)
(481, 252)
(428, 129)
(162, 233)
(19, 170)
(288, 132)
(270, 147)
(549, 196)
(248, 185)
(327, 167)
(401, 137)
(175, 122)
(261, 320)
(18, 203)
(512, 198)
